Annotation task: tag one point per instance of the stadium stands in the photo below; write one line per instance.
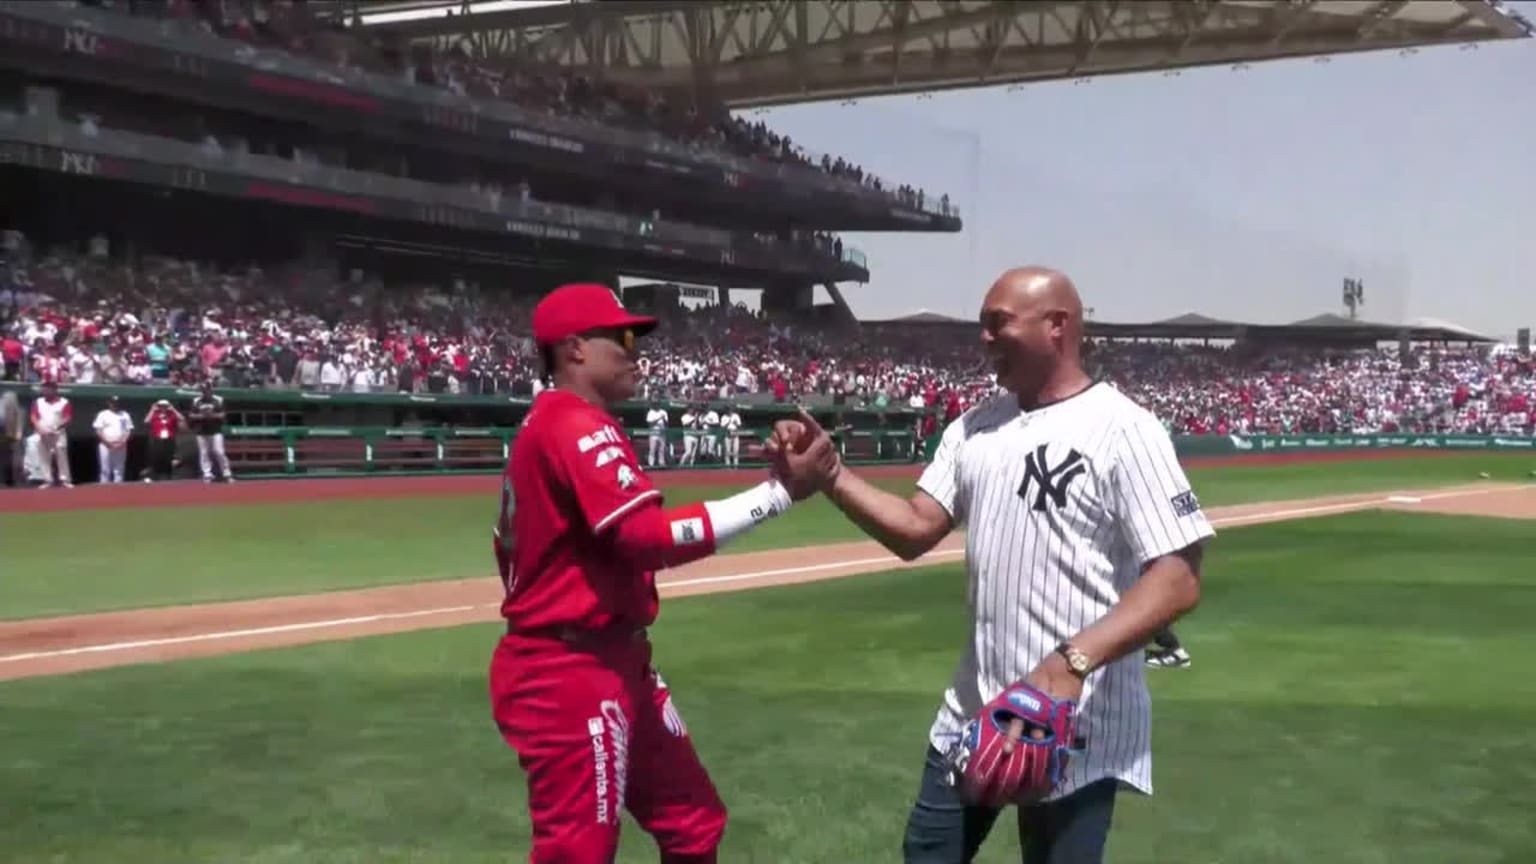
(84, 318)
(288, 26)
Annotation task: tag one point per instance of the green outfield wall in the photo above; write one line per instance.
(1228, 445)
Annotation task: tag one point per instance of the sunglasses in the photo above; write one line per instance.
(624, 336)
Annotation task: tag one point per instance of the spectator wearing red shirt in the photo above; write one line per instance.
(12, 353)
(163, 422)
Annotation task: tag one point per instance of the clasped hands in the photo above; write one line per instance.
(804, 458)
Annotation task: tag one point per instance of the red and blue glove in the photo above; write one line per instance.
(986, 773)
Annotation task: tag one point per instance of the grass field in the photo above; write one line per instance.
(94, 561)
(1358, 695)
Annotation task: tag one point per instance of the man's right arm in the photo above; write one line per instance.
(908, 527)
(623, 509)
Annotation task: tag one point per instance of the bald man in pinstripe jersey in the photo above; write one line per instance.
(1084, 541)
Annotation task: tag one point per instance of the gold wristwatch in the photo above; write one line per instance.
(1077, 661)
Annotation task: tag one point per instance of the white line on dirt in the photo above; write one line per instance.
(1270, 516)
(795, 571)
(234, 634)
(1346, 506)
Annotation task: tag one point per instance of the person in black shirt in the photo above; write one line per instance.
(285, 363)
(437, 378)
(207, 421)
(407, 376)
(263, 367)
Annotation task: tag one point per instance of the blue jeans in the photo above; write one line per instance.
(941, 830)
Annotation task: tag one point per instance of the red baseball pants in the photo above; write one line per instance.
(596, 733)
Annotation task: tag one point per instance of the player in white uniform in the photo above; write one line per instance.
(709, 438)
(113, 426)
(51, 414)
(690, 423)
(1084, 539)
(730, 421)
(656, 421)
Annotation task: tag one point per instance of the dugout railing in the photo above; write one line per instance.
(288, 451)
(291, 433)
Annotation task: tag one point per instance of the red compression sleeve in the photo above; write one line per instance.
(655, 539)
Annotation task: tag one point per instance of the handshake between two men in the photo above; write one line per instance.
(805, 459)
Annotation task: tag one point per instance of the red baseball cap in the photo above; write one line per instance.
(572, 309)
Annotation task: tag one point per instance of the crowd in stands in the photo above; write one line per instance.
(162, 321)
(87, 318)
(1243, 391)
(288, 26)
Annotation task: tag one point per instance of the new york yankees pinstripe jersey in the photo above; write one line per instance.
(1062, 507)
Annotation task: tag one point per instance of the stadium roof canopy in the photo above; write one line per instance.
(1325, 327)
(772, 52)
(923, 316)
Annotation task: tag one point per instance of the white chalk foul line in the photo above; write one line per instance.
(1273, 515)
(1345, 506)
(111, 647)
(795, 571)
(233, 634)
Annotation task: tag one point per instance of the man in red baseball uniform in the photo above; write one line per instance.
(580, 534)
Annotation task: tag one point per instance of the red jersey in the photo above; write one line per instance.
(572, 475)
(50, 368)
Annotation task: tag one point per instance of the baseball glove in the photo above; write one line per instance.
(986, 776)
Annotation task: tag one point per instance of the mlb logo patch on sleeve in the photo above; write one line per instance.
(1185, 503)
(687, 531)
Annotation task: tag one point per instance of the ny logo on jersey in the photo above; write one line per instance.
(1050, 481)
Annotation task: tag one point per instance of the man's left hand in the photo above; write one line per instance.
(1055, 678)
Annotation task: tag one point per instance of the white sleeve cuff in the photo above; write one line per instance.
(740, 513)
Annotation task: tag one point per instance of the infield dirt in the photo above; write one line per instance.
(52, 646)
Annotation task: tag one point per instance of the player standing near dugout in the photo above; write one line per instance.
(692, 415)
(656, 421)
(580, 532)
(730, 421)
(51, 415)
(12, 446)
(709, 433)
(112, 426)
(208, 424)
(1084, 540)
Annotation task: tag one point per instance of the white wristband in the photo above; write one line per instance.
(731, 517)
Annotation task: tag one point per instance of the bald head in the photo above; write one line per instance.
(1032, 328)
(1039, 288)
